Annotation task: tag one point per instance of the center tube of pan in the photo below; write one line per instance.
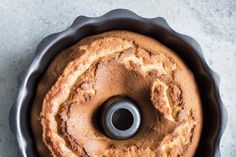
(120, 118)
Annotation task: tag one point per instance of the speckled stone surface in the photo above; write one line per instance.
(23, 23)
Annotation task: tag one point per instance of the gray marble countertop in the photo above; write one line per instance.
(23, 23)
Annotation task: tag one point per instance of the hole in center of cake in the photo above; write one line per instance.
(122, 119)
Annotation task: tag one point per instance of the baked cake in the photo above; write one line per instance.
(83, 76)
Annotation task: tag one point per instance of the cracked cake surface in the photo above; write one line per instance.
(98, 67)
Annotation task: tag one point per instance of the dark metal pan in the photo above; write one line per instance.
(215, 115)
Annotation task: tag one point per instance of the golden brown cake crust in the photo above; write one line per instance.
(83, 76)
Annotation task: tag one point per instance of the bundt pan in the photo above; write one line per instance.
(214, 113)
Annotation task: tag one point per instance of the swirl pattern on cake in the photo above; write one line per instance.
(98, 67)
